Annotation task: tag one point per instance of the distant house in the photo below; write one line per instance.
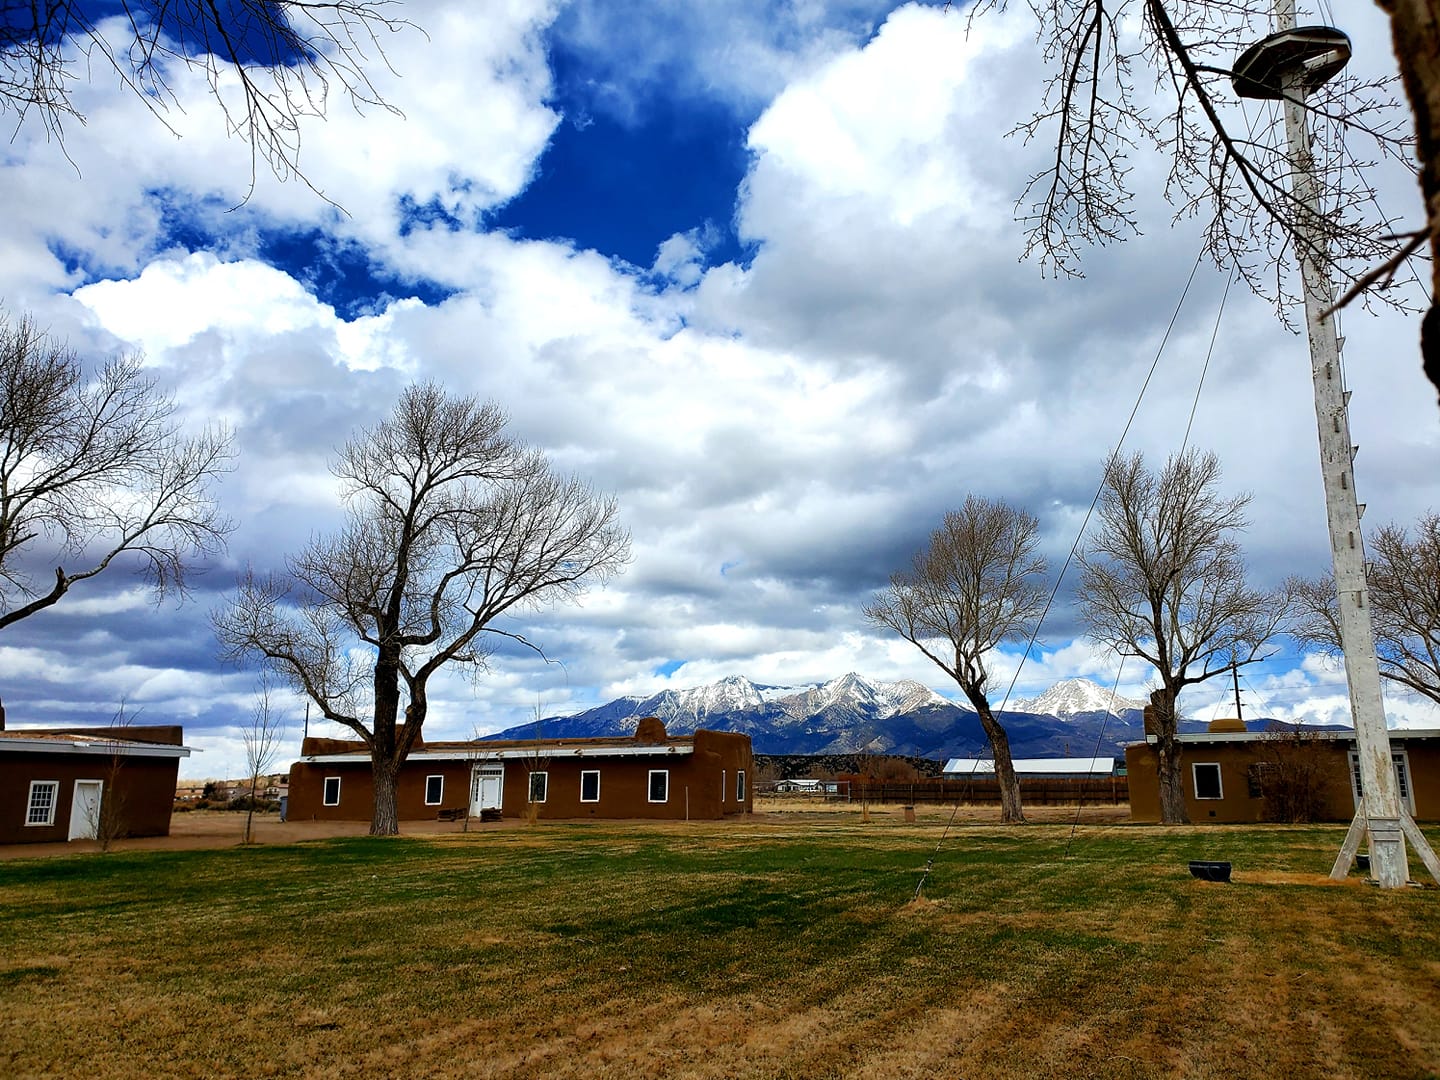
(55, 784)
(1031, 768)
(807, 787)
(649, 775)
(1224, 772)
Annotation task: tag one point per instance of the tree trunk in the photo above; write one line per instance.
(1011, 812)
(385, 820)
(250, 810)
(1166, 725)
(384, 752)
(1415, 33)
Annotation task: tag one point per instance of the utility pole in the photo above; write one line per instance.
(1235, 675)
(1286, 66)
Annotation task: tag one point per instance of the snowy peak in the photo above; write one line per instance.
(1071, 696)
(731, 693)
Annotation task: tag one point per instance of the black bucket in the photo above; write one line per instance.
(1210, 871)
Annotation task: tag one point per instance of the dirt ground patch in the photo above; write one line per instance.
(202, 829)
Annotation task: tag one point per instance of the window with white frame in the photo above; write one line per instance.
(739, 785)
(659, 785)
(331, 796)
(589, 785)
(1401, 763)
(1207, 780)
(40, 808)
(539, 785)
(434, 790)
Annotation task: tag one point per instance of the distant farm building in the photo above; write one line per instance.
(72, 783)
(649, 775)
(807, 787)
(1234, 775)
(1032, 768)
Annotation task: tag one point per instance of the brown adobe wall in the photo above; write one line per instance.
(1141, 765)
(144, 786)
(695, 784)
(1237, 804)
(357, 790)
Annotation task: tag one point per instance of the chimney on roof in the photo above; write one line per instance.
(2, 716)
(651, 729)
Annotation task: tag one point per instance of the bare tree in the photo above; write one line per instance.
(112, 820)
(979, 582)
(1125, 75)
(1163, 580)
(1291, 774)
(262, 742)
(452, 524)
(268, 63)
(1404, 579)
(93, 469)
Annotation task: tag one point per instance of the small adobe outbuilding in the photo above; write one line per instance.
(648, 775)
(68, 783)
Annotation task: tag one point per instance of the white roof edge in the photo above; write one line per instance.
(96, 746)
(512, 754)
(1338, 733)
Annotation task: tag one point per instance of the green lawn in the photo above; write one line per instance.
(710, 950)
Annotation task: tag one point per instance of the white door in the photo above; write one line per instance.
(85, 810)
(487, 785)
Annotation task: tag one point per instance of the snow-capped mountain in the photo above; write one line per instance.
(1070, 697)
(853, 713)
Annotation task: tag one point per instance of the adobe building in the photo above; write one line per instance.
(58, 783)
(1224, 772)
(705, 776)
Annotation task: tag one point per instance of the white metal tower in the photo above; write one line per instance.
(1286, 66)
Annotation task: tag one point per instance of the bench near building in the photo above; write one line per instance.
(648, 775)
(1225, 771)
(56, 782)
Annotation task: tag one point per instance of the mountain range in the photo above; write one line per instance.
(851, 714)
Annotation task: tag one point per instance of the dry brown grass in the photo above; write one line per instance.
(786, 946)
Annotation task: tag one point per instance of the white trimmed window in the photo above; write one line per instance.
(40, 808)
(434, 790)
(1206, 775)
(1401, 761)
(659, 785)
(589, 785)
(539, 785)
(739, 785)
(331, 795)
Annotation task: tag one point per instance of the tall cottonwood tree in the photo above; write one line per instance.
(1163, 580)
(1403, 574)
(979, 582)
(95, 472)
(452, 524)
(1125, 75)
(268, 63)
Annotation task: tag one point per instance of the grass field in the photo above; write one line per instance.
(786, 947)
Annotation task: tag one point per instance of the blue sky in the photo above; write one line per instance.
(754, 271)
